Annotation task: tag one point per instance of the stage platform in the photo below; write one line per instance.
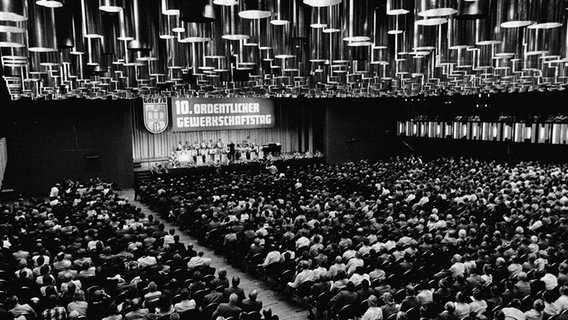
(256, 166)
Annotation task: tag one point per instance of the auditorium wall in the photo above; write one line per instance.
(297, 128)
(74, 138)
(362, 128)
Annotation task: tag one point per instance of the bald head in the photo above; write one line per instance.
(253, 294)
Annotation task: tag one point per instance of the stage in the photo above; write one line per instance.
(258, 165)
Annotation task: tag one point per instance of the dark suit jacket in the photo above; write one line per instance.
(213, 297)
(341, 299)
(226, 310)
(240, 293)
(249, 305)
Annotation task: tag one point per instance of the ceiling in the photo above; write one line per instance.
(315, 48)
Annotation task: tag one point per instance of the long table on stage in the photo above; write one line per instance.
(256, 166)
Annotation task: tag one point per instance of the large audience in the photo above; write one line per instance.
(403, 238)
(87, 253)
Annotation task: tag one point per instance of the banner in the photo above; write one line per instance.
(155, 114)
(200, 114)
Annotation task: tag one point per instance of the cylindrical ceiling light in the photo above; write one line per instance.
(547, 13)
(322, 3)
(12, 40)
(195, 32)
(282, 41)
(232, 28)
(512, 42)
(125, 25)
(300, 20)
(541, 40)
(167, 24)
(110, 6)
(139, 11)
(13, 10)
(197, 11)
(254, 9)
(41, 29)
(515, 13)
(319, 52)
(436, 8)
(398, 7)
(173, 7)
(319, 17)
(356, 22)
(333, 19)
(91, 19)
(282, 12)
(50, 3)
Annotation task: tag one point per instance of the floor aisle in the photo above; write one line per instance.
(270, 299)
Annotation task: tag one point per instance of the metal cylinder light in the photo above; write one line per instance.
(50, 3)
(541, 40)
(515, 13)
(282, 41)
(124, 22)
(172, 7)
(139, 11)
(13, 10)
(356, 22)
(91, 19)
(512, 42)
(12, 40)
(319, 52)
(254, 9)
(300, 20)
(196, 32)
(436, 8)
(41, 29)
(232, 28)
(110, 6)
(398, 7)
(282, 12)
(318, 18)
(333, 19)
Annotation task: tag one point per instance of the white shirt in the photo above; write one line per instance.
(373, 313)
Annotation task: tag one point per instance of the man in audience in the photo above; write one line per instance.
(230, 309)
(234, 289)
(251, 304)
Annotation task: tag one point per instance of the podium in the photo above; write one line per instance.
(273, 149)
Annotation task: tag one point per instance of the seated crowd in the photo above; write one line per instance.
(87, 253)
(404, 238)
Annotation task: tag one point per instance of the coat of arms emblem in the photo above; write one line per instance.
(155, 115)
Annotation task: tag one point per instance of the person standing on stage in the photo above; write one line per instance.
(220, 149)
(231, 153)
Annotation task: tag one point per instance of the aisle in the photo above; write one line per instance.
(270, 299)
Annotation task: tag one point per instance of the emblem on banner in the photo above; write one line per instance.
(155, 115)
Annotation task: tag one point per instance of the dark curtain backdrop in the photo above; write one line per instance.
(73, 138)
(293, 129)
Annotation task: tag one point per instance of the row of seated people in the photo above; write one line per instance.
(448, 238)
(87, 253)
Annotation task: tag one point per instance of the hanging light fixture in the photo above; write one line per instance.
(232, 29)
(110, 6)
(254, 9)
(356, 21)
(436, 8)
(13, 10)
(139, 11)
(515, 13)
(282, 12)
(50, 3)
(41, 29)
